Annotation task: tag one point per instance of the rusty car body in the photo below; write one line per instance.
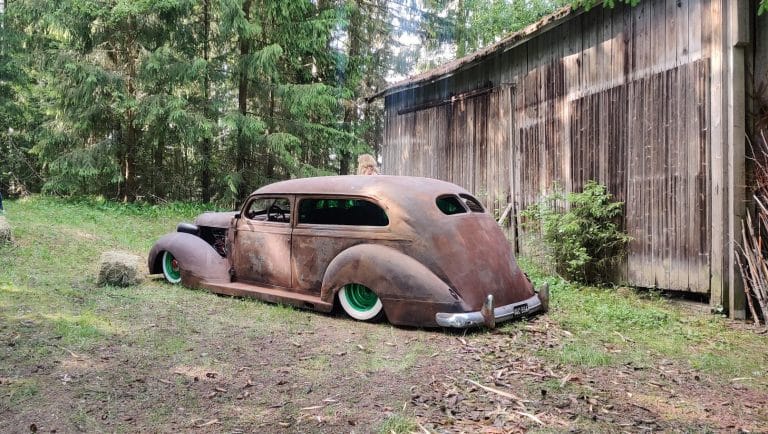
(419, 251)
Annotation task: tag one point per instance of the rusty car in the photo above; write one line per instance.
(417, 251)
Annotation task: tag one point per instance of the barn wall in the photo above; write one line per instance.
(623, 96)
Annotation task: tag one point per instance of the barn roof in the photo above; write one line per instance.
(512, 40)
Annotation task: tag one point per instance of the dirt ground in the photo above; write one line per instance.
(335, 375)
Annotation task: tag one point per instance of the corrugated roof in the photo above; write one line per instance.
(553, 20)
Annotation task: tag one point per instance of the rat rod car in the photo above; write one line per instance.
(422, 252)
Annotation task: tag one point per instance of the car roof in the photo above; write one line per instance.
(379, 186)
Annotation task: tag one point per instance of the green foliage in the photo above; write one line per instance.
(580, 231)
(186, 99)
(473, 24)
(606, 3)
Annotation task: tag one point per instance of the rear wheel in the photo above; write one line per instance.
(360, 302)
(171, 268)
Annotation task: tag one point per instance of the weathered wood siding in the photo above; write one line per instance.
(623, 96)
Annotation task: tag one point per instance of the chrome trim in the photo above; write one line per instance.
(501, 313)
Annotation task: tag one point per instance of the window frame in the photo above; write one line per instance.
(464, 197)
(252, 199)
(324, 226)
(460, 201)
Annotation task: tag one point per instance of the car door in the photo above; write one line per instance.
(262, 241)
(326, 226)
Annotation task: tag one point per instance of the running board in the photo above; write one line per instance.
(271, 295)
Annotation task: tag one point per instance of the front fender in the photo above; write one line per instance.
(197, 259)
(410, 293)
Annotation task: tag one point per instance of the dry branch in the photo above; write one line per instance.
(752, 256)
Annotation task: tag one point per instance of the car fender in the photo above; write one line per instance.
(198, 260)
(395, 277)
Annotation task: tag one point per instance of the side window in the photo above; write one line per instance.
(271, 209)
(450, 204)
(472, 203)
(336, 211)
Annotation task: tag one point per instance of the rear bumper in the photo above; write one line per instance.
(500, 314)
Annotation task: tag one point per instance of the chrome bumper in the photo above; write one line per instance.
(501, 313)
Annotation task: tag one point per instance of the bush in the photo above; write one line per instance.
(580, 232)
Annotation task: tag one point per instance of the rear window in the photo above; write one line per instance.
(345, 212)
(450, 204)
(472, 203)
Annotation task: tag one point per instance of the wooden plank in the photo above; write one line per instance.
(682, 46)
(618, 44)
(641, 38)
(671, 24)
(718, 203)
(737, 37)
(699, 18)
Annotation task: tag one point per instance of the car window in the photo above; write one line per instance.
(340, 211)
(450, 204)
(272, 209)
(472, 203)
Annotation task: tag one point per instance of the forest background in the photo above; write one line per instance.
(205, 100)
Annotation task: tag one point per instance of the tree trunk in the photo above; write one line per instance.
(205, 149)
(157, 165)
(131, 134)
(355, 37)
(242, 103)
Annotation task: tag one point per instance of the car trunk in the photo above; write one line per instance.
(476, 259)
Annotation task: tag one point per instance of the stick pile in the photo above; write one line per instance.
(753, 257)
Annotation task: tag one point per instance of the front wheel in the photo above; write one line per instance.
(171, 268)
(360, 302)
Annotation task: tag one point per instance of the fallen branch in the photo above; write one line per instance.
(531, 417)
(498, 392)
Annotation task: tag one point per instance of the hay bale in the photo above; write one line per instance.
(6, 236)
(120, 269)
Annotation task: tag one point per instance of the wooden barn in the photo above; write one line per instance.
(652, 101)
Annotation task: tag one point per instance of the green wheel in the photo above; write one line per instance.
(360, 302)
(171, 268)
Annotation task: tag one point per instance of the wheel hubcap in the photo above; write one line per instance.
(360, 298)
(172, 266)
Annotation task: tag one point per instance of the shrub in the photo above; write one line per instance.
(580, 232)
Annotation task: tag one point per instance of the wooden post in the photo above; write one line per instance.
(738, 37)
(712, 10)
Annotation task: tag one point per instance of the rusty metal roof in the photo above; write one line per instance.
(362, 185)
(548, 22)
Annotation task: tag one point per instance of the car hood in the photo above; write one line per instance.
(215, 219)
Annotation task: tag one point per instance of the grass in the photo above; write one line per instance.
(398, 424)
(617, 326)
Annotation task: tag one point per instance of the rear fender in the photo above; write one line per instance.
(408, 290)
(197, 259)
